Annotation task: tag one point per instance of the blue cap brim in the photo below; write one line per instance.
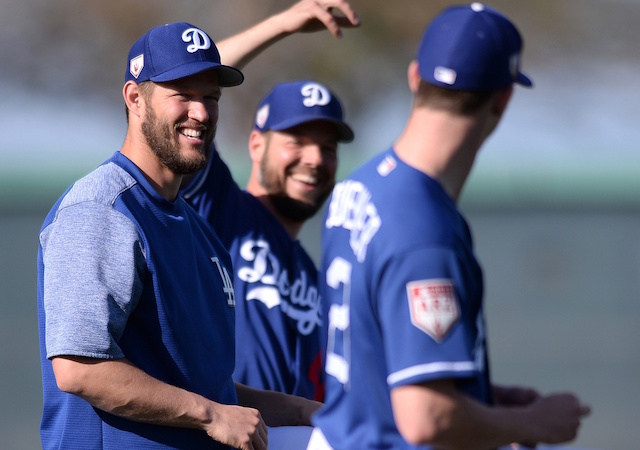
(344, 131)
(524, 80)
(227, 76)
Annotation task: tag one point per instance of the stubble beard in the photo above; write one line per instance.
(293, 209)
(162, 138)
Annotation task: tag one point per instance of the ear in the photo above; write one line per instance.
(132, 97)
(257, 145)
(413, 76)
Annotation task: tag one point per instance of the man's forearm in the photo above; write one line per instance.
(303, 16)
(239, 49)
(118, 387)
(437, 413)
(276, 408)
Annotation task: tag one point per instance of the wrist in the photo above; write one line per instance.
(280, 25)
(203, 413)
(306, 410)
(526, 424)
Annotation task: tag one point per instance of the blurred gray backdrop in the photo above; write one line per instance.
(553, 201)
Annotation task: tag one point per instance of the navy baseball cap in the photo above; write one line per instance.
(177, 50)
(471, 47)
(297, 102)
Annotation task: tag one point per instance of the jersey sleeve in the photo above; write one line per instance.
(93, 264)
(427, 319)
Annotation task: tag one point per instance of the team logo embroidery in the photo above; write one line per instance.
(315, 94)
(136, 65)
(199, 38)
(227, 284)
(433, 306)
(268, 282)
(261, 116)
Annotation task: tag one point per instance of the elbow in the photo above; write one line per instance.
(421, 432)
(423, 415)
(68, 375)
(426, 413)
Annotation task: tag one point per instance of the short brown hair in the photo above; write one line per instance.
(146, 87)
(453, 100)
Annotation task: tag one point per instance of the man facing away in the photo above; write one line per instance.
(136, 307)
(402, 288)
(293, 149)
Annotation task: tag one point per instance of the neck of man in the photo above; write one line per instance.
(442, 145)
(163, 180)
(292, 227)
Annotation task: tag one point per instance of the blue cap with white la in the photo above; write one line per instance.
(471, 47)
(177, 50)
(298, 102)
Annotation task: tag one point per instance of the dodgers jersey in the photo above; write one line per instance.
(124, 273)
(402, 294)
(277, 303)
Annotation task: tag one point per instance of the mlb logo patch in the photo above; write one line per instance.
(387, 165)
(262, 115)
(444, 75)
(433, 306)
(136, 65)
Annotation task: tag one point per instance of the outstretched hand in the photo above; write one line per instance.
(308, 16)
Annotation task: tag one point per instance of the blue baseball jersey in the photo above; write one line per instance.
(124, 273)
(278, 343)
(402, 294)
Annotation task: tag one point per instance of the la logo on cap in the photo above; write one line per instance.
(315, 94)
(136, 65)
(199, 38)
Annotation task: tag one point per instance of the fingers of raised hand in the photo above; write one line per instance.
(320, 14)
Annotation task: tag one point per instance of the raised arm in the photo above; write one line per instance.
(306, 16)
(120, 388)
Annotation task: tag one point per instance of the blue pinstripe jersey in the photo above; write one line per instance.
(277, 304)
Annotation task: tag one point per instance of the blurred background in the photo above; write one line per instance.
(554, 199)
